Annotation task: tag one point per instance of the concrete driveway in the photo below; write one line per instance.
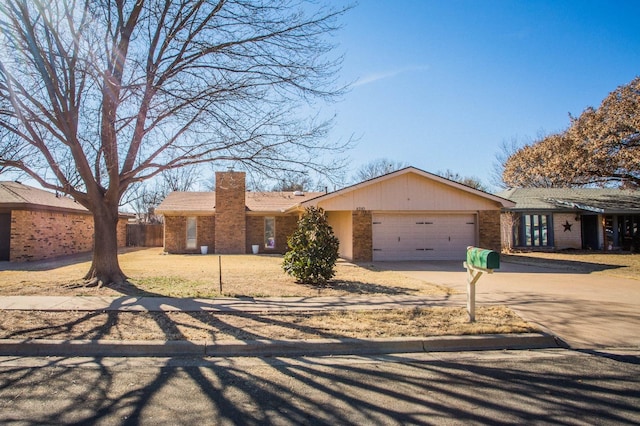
(585, 310)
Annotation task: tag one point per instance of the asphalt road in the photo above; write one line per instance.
(507, 387)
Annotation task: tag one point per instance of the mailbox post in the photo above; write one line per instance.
(478, 261)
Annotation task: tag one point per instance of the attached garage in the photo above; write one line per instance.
(411, 214)
(422, 236)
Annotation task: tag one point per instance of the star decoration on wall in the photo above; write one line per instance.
(567, 226)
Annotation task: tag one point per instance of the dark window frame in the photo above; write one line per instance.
(534, 230)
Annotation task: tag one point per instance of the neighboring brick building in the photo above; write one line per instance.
(405, 215)
(37, 224)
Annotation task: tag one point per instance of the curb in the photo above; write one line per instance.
(262, 348)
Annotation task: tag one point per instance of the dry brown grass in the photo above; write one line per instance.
(621, 264)
(418, 322)
(153, 273)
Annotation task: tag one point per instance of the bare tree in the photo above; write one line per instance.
(145, 196)
(102, 94)
(506, 150)
(293, 182)
(378, 167)
(509, 222)
(471, 181)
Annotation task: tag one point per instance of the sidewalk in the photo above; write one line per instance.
(39, 347)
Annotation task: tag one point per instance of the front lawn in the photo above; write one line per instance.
(153, 273)
(197, 326)
(620, 264)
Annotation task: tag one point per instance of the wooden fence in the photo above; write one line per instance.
(144, 235)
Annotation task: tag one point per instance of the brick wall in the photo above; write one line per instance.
(564, 239)
(285, 226)
(37, 235)
(489, 227)
(255, 233)
(175, 234)
(362, 236)
(122, 232)
(230, 213)
(206, 232)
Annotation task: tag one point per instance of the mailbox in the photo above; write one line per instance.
(481, 258)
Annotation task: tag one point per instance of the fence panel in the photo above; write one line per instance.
(144, 235)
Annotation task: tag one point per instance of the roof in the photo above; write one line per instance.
(18, 195)
(462, 187)
(276, 201)
(205, 202)
(596, 200)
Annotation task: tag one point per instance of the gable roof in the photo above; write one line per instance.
(200, 203)
(17, 195)
(595, 200)
(407, 170)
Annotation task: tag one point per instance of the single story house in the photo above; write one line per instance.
(409, 214)
(36, 224)
(571, 218)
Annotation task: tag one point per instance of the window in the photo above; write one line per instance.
(270, 232)
(192, 232)
(535, 231)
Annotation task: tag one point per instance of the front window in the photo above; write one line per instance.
(534, 231)
(192, 232)
(270, 232)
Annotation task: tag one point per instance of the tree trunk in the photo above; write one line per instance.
(105, 268)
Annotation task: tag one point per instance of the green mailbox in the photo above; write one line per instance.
(481, 258)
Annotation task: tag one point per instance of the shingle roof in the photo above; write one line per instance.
(14, 194)
(188, 202)
(597, 200)
(204, 202)
(276, 201)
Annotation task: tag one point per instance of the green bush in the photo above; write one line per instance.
(313, 249)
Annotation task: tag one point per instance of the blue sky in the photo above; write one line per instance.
(441, 84)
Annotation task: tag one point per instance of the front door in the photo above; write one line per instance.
(590, 232)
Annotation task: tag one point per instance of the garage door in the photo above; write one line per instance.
(422, 237)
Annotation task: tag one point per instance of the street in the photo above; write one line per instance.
(496, 387)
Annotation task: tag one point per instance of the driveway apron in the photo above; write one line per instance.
(586, 310)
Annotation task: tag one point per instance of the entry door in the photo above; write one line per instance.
(590, 232)
(5, 235)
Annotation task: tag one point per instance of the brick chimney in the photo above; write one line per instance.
(230, 225)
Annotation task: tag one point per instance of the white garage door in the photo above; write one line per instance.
(422, 237)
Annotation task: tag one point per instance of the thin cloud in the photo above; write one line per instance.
(372, 78)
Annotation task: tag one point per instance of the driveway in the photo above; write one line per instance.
(585, 310)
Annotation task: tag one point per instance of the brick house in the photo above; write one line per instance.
(405, 215)
(571, 218)
(230, 220)
(36, 224)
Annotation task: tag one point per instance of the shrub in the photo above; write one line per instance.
(313, 249)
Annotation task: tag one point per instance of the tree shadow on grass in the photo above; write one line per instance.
(359, 287)
(59, 261)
